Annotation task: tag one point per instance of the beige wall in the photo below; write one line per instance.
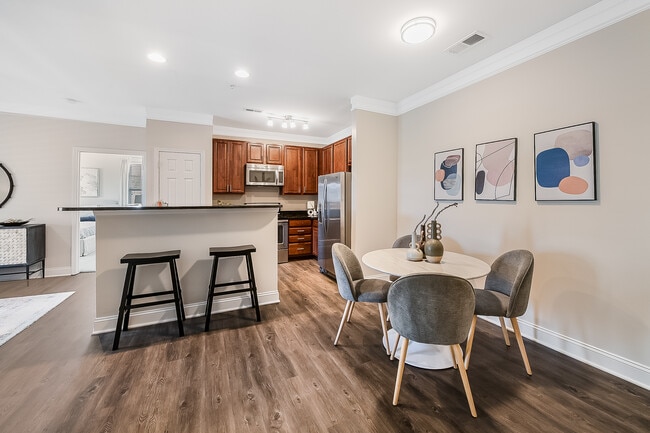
(374, 181)
(183, 137)
(39, 152)
(590, 293)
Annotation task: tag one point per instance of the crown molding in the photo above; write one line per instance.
(179, 116)
(124, 116)
(586, 22)
(339, 135)
(266, 135)
(375, 105)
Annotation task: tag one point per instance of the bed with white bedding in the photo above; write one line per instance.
(87, 239)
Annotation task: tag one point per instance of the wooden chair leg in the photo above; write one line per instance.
(463, 376)
(505, 331)
(400, 371)
(392, 353)
(520, 342)
(346, 314)
(453, 358)
(383, 327)
(470, 341)
(350, 311)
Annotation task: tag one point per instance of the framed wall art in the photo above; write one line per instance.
(496, 170)
(565, 163)
(89, 182)
(448, 175)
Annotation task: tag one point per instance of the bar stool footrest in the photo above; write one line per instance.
(229, 292)
(234, 283)
(148, 295)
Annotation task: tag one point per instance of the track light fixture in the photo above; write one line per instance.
(287, 121)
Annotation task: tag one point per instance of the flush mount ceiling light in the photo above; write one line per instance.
(418, 30)
(156, 57)
(242, 73)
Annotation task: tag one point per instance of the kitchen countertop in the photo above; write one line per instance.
(140, 208)
(294, 214)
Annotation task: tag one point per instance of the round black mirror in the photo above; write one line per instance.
(6, 185)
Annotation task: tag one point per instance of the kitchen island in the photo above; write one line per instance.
(193, 230)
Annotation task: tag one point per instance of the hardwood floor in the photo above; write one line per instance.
(284, 374)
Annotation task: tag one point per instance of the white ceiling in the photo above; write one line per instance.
(306, 58)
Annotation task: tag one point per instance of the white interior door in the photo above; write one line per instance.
(179, 178)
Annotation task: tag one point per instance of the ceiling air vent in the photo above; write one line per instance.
(253, 110)
(465, 43)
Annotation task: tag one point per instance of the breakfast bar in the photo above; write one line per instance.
(193, 230)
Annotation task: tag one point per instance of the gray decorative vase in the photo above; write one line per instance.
(433, 248)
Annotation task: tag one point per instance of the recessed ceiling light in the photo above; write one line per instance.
(418, 30)
(242, 73)
(156, 57)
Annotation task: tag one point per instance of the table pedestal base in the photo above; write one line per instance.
(429, 356)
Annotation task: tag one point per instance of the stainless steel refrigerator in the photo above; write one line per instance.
(334, 221)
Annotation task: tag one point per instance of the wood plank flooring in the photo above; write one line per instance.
(284, 374)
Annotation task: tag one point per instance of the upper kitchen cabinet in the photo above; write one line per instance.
(325, 160)
(259, 153)
(310, 170)
(228, 166)
(300, 170)
(342, 155)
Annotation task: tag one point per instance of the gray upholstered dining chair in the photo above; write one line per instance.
(506, 293)
(400, 242)
(432, 309)
(353, 287)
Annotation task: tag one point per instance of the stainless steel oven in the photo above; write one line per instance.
(283, 241)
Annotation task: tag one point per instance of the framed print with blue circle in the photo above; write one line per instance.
(448, 175)
(565, 163)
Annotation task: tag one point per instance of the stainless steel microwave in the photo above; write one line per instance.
(264, 175)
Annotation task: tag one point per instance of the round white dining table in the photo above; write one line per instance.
(393, 261)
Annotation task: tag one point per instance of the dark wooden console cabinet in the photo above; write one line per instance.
(22, 247)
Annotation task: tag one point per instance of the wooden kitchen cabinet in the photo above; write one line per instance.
(310, 171)
(260, 153)
(325, 160)
(340, 158)
(314, 237)
(300, 170)
(349, 154)
(228, 166)
(300, 237)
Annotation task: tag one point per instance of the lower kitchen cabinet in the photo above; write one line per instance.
(314, 238)
(300, 237)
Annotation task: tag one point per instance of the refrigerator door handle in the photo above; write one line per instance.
(326, 203)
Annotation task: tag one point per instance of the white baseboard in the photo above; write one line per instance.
(65, 271)
(611, 363)
(137, 318)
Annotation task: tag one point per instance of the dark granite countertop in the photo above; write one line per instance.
(140, 208)
(294, 214)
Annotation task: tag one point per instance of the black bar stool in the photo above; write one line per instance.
(133, 260)
(219, 252)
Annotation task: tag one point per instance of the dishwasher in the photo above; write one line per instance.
(283, 241)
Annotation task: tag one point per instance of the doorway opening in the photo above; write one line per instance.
(105, 178)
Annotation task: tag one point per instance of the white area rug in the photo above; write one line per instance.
(17, 314)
